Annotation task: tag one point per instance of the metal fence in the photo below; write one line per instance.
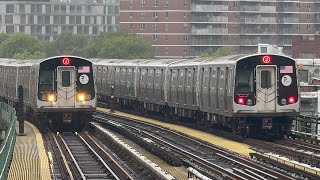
(7, 128)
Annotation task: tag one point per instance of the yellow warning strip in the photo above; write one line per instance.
(43, 158)
(29, 161)
(238, 147)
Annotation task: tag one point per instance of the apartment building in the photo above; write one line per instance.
(46, 19)
(189, 27)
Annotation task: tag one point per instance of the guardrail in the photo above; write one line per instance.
(8, 136)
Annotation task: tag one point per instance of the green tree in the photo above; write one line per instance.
(18, 43)
(27, 55)
(119, 45)
(223, 51)
(67, 44)
(3, 37)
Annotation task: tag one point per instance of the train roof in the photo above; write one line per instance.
(189, 62)
(159, 62)
(16, 62)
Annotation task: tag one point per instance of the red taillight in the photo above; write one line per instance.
(291, 100)
(240, 100)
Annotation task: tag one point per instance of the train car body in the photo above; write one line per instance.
(249, 94)
(60, 89)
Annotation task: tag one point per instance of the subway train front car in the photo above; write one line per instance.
(66, 92)
(266, 97)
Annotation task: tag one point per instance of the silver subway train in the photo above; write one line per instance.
(250, 94)
(59, 89)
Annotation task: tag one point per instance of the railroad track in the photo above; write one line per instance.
(213, 161)
(290, 148)
(57, 164)
(301, 145)
(87, 160)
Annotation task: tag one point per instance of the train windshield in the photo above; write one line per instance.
(244, 81)
(46, 80)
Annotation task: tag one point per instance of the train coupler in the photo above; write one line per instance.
(67, 117)
(267, 123)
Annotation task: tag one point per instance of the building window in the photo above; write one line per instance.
(166, 37)
(22, 8)
(56, 9)
(308, 5)
(23, 19)
(154, 37)
(166, 3)
(166, 50)
(308, 26)
(185, 26)
(235, 4)
(79, 9)
(22, 29)
(9, 8)
(39, 8)
(308, 16)
(130, 15)
(142, 26)
(155, 15)
(166, 26)
(10, 29)
(167, 15)
(186, 2)
(64, 9)
(40, 19)
(56, 19)
(31, 19)
(141, 15)
(155, 26)
(185, 49)
(185, 38)
(72, 9)
(131, 3)
(9, 19)
(130, 27)
(142, 3)
(185, 14)
(155, 3)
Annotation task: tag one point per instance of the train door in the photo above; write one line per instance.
(266, 88)
(66, 86)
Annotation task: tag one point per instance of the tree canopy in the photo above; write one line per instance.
(120, 45)
(222, 51)
(20, 43)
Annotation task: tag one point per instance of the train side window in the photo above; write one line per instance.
(265, 79)
(65, 78)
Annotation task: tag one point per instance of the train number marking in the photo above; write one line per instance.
(286, 80)
(84, 79)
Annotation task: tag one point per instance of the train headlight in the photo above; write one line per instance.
(283, 101)
(249, 102)
(51, 98)
(81, 97)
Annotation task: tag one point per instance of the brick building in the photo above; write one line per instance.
(306, 46)
(189, 27)
(165, 23)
